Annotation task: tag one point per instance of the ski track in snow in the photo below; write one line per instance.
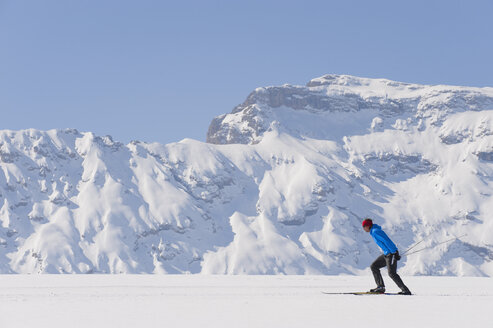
(239, 301)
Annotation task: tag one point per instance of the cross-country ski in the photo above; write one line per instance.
(360, 293)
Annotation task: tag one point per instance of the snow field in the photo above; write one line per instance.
(239, 301)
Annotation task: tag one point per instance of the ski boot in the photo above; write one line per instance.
(378, 290)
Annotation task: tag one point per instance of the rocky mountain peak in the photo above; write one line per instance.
(330, 96)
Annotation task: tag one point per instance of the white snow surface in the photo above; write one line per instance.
(416, 159)
(239, 301)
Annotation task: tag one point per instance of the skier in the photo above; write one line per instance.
(389, 258)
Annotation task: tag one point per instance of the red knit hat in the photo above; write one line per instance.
(367, 223)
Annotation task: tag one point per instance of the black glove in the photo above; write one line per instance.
(397, 256)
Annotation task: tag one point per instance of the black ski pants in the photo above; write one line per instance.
(391, 263)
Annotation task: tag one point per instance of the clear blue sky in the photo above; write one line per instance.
(161, 70)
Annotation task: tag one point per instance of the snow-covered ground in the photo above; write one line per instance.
(239, 301)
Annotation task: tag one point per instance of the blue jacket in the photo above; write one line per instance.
(382, 240)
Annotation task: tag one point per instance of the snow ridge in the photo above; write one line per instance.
(280, 188)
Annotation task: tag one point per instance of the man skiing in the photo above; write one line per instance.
(389, 258)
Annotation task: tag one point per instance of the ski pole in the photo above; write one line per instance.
(412, 247)
(443, 242)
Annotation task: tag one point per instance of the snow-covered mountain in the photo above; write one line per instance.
(281, 187)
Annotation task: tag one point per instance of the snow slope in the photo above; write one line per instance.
(238, 301)
(281, 187)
